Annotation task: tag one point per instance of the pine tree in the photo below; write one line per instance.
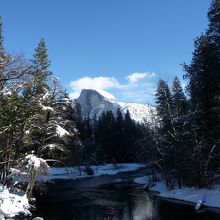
(172, 141)
(119, 120)
(40, 65)
(204, 89)
(214, 21)
(12, 120)
(179, 99)
(50, 129)
(41, 61)
(204, 79)
(13, 76)
(129, 136)
(65, 116)
(180, 143)
(167, 132)
(1, 39)
(213, 33)
(120, 147)
(107, 139)
(165, 106)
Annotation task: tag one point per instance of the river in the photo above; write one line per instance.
(100, 198)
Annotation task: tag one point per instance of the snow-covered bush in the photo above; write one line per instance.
(34, 166)
(32, 162)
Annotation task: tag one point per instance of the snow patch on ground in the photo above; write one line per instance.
(81, 171)
(209, 197)
(141, 180)
(12, 205)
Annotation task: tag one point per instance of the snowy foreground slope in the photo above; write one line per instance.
(208, 197)
(96, 101)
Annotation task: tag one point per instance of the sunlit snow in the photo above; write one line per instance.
(33, 161)
(209, 197)
(61, 131)
(12, 204)
(81, 171)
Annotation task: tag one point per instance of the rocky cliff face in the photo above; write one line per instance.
(94, 102)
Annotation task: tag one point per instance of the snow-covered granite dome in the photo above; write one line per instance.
(95, 101)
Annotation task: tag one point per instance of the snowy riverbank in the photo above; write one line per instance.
(76, 172)
(209, 197)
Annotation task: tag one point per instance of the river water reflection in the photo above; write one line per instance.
(117, 202)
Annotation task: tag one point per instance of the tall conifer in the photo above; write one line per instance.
(1, 37)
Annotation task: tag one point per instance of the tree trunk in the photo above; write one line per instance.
(31, 183)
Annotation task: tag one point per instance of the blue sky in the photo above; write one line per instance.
(122, 46)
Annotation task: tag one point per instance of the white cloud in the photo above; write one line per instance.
(135, 90)
(101, 82)
(135, 77)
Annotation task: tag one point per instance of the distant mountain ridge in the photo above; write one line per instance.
(95, 101)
